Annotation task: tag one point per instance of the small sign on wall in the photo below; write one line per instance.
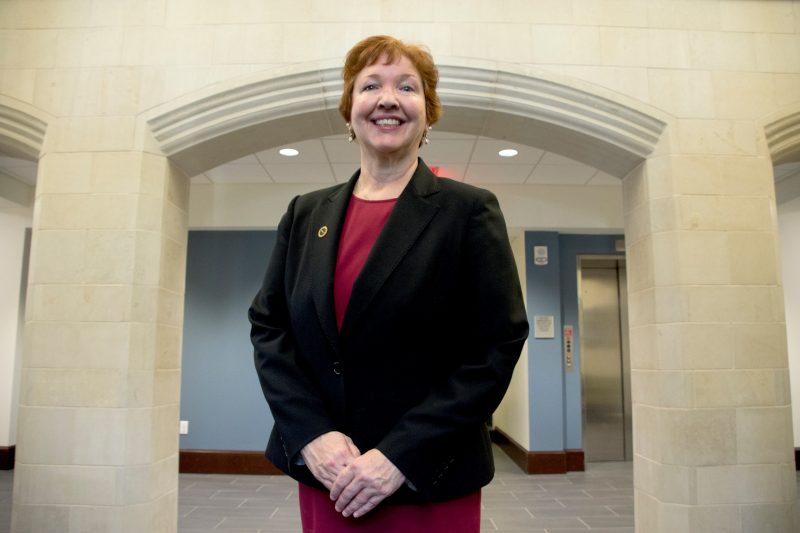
(544, 327)
(540, 255)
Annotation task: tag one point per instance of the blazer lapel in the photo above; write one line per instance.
(410, 216)
(326, 226)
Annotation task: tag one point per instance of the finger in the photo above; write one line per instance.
(354, 451)
(367, 507)
(342, 481)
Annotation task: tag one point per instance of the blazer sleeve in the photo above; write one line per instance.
(496, 327)
(299, 412)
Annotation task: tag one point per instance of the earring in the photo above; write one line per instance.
(350, 133)
(425, 138)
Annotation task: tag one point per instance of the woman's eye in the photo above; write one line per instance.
(369, 87)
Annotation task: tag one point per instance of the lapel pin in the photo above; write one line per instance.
(322, 231)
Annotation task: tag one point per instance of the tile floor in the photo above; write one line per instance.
(599, 500)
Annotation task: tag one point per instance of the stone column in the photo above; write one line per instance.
(97, 445)
(712, 423)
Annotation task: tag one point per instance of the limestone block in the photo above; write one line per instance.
(724, 213)
(166, 387)
(64, 173)
(564, 44)
(683, 14)
(248, 43)
(722, 50)
(147, 261)
(743, 94)
(67, 303)
(500, 42)
(787, 87)
(767, 518)
(691, 257)
(674, 484)
(639, 258)
(150, 213)
(173, 265)
(668, 49)
(638, 228)
(175, 223)
(120, 172)
(83, 211)
(716, 137)
(60, 387)
(139, 484)
(702, 346)
(624, 46)
(91, 134)
(715, 519)
(643, 347)
(166, 419)
(128, 12)
(642, 307)
(764, 435)
(760, 346)
(56, 485)
(697, 437)
(77, 344)
(749, 484)
(757, 17)
(35, 48)
(739, 388)
(177, 185)
(158, 516)
(111, 256)
(753, 258)
(139, 388)
(88, 47)
(168, 346)
(60, 256)
(778, 53)
(38, 518)
(141, 45)
(76, 431)
(547, 11)
(683, 93)
(747, 176)
(663, 388)
(18, 83)
(647, 433)
(611, 12)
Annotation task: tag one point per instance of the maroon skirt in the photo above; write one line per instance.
(318, 515)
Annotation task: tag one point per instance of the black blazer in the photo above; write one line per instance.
(433, 329)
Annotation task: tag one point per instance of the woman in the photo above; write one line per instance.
(389, 321)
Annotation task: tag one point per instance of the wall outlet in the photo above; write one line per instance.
(184, 427)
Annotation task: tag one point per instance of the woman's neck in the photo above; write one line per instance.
(382, 180)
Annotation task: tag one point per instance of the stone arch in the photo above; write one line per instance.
(782, 131)
(593, 125)
(22, 129)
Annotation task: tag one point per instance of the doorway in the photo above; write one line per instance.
(605, 358)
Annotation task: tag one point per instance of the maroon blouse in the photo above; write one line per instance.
(363, 223)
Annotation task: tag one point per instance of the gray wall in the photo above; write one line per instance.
(220, 394)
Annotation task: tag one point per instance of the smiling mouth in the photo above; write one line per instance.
(386, 122)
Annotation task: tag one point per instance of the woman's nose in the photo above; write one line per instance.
(387, 99)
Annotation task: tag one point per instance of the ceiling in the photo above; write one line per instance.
(469, 158)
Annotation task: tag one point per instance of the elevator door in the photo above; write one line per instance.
(605, 364)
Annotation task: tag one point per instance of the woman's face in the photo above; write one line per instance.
(388, 111)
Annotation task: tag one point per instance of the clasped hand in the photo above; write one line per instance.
(357, 483)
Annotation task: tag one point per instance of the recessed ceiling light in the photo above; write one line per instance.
(288, 152)
(507, 152)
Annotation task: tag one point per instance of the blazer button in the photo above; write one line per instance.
(337, 368)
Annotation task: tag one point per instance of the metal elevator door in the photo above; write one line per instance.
(605, 361)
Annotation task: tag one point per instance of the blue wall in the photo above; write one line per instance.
(220, 394)
(555, 394)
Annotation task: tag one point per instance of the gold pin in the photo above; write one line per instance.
(322, 231)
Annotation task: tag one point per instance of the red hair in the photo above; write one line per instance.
(369, 50)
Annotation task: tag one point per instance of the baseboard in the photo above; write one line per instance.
(226, 462)
(797, 459)
(7, 457)
(555, 462)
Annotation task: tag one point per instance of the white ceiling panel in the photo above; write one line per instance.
(574, 174)
(445, 151)
(239, 173)
(486, 152)
(310, 152)
(341, 151)
(301, 173)
(479, 173)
